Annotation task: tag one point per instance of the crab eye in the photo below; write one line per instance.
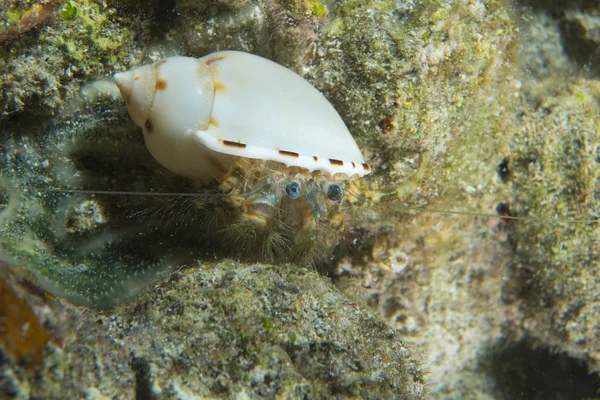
(293, 190)
(335, 192)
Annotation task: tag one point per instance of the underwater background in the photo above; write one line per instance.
(100, 298)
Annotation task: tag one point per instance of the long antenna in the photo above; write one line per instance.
(149, 194)
(260, 187)
(127, 193)
(509, 217)
(481, 214)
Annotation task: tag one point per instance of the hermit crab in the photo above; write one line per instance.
(256, 165)
(276, 168)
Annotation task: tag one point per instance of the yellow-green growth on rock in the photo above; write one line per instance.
(306, 7)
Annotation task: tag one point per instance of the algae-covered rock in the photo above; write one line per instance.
(579, 28)
(279, 30)
(501, 292)
(555, 158)
(227, 331)
(42, 69)
(506, 130)
(74, 243)
(19, 18)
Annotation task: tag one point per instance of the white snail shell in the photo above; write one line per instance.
(198, 115)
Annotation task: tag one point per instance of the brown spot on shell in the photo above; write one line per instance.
(212, 121)
(366, 166)
(161, 84)
(148, 126)
(289, 153)
(333, 161)
(219, 86)
(212, 60)
(136, 78)
(315, 158)
(353, 165)
(163, 61)
(233, 144)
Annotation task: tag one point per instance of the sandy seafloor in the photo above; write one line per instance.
(494, 104)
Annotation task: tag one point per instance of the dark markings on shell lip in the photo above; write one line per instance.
(366, 166)
(148, 126)
(353, 165)
(333, 161)
(315, 158)
(234, 144)
(289, 153)
(161, 84)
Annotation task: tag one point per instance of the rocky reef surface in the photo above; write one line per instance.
(501, 98)
(212, 331)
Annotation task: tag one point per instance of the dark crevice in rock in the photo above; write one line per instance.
(143, 383)
(579, 23)
(522, 370)
(557, 7)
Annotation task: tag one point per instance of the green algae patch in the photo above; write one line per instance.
(318, 9)
(306, 7)
(89, 35)
(69, 11)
